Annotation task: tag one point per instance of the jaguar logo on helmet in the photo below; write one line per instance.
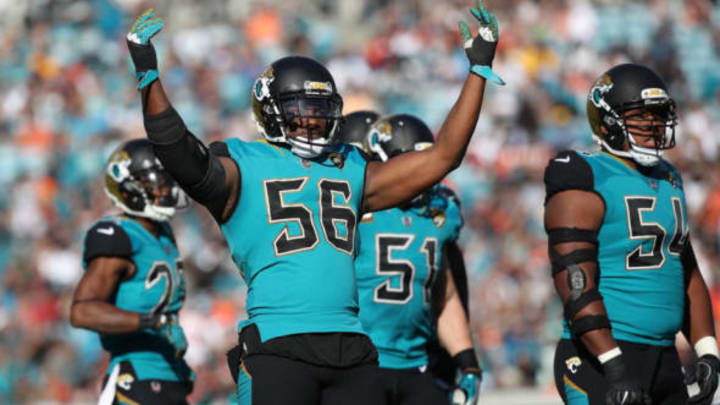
(118, 168)
(381, 132)
(601, 87)
(261, 89)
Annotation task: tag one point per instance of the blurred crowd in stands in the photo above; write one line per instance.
(67, 98)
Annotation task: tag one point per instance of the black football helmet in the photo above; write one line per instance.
(297, 89)
(355, 128)
(631, 87)
(137, 183)
(396, 134)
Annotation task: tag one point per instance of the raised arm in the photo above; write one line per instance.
(700, 331)
(212, 179)
(403, 177)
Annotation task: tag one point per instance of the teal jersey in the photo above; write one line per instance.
(292, 235)
(157, 286)
(400, 255)
(640, 241)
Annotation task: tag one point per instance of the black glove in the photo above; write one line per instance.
(152, 321)
(480, 49)
(704, 373)
(622, 391)
(142, 51)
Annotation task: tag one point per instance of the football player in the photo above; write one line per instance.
(402, 253)
(288, 206)
(622, 261)
(442, 366)
(133, 287)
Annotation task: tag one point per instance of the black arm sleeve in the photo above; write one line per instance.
(568, 171)
(454, 256)
(199, 172)
(106, 239)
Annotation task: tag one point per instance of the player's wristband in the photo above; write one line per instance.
(143, 56)
(467, 362)
(486, 72)
(145, 61)
(707, 345)
(609, 355)
(152, 321)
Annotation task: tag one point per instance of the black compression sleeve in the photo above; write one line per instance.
(197, 171)
(183, 155)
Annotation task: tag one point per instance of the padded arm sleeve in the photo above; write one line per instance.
(198, 171)
(567, 171)
(106, 239)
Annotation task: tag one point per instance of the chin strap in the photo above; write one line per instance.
(642, 156)
(307, 150)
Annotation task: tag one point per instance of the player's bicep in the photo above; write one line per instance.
(390, 183)
(102, 278)
(572, 220)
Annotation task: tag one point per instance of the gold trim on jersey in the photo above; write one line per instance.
(572, 385)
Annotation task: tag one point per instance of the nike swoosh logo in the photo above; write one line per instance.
(106, 231)
(566, 159)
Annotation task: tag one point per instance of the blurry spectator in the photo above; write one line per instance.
(67, 98)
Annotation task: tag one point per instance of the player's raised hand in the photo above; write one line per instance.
(142, 51)
(468, 388)
(480, 49)
(702, 376)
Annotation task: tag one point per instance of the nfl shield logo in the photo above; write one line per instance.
(653, 184)
(406, 220)
(156, 387)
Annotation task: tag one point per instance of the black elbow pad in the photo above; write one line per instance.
(166, 128)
